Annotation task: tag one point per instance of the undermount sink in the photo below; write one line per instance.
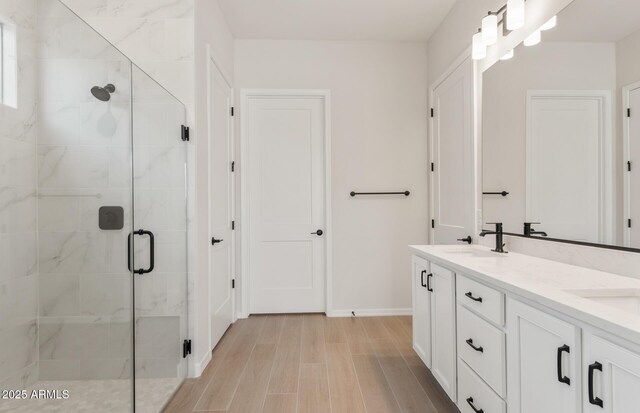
(627, 300)
(472, 253)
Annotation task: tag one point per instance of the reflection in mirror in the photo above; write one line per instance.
(556, 132)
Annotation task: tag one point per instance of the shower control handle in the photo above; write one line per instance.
(152, 252)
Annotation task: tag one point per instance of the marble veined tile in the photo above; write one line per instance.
(17, 209)
(18, 302)
(73, 166)
(18, 348)
(73, 252)
(158, 337)
(59, 295)
(73, 338)
(18, 254)
(105, 294)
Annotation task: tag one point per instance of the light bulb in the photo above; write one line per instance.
(509, 55)
(478, 49)
(490, 29)
(550, 24)
(534, 39)
(515, 14)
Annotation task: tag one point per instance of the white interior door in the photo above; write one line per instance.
(452, 157)
(285, 136)
(633, 181)
(565, 165)
(221, 203)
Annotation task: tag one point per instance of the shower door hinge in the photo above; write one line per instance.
(186, 348)
(185, 133)
(233, 112)
(629, 222)
(233, 283)
(628, 112)
(233, 225)
(432, 112)
(433, 223)
(629, 166)
(433, 167)
(233, 166)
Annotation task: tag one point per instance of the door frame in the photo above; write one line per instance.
(626, 153)
(473, 140)
(245, 190)
(607, 227)
(212, 66)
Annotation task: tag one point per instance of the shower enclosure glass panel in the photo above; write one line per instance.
(92, 165)
(160, 210)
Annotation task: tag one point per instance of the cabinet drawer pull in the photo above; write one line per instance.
(422, 279)
(475, 409)
(478, 349)
(561, 377)
(429, 283)
(596, 401)
(476, 299)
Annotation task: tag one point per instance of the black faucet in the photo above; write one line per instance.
(529, 231)
(498, 233)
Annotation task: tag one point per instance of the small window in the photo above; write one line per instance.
(8, 64)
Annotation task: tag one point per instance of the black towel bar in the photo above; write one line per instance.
(405, 193)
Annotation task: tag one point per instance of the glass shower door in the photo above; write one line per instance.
(159, 242)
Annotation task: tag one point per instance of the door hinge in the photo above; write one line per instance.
(233, 283)
(433, 223)
(629, 166)
(628, 112)
(233, 166)
(233, 225)
(629, 222)
(233, 112)
(432, 112)
(433, 167)
(186, 348)
(185, 133)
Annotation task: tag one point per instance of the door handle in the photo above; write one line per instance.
(596, 401)
(318, 233)
(470, 296)
(152, 252)
(429, 283)
(422, 278)
(478, 349)
(216, 241)
(561, 377)
(475, 409)
(468, 239)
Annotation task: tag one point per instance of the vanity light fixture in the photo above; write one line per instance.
(509, 55)
(478, 48)
(490, 29)
(515, 14)
(533, 39)
(550, 24)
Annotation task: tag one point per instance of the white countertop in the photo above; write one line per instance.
(546, 282)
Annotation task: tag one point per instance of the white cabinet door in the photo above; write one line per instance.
(441, 282)
(611, 378)
(421, 310)
(543, 362)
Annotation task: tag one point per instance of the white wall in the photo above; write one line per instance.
(548, 66)
(210, 30)
(379, 127)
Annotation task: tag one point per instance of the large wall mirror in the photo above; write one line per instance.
(560, 146)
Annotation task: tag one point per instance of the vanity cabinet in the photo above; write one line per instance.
(421, 310)
(434, 321)
(611, 377)
(543, 359)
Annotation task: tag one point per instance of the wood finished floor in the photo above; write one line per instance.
(312, 363)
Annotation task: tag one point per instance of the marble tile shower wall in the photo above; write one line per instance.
(18, 217)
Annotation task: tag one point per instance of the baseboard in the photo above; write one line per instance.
(371, 312)
(240, 316)
(202, 364)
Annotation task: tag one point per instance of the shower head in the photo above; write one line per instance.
(103, 93)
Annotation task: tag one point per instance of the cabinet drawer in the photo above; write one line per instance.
(481, 299)
(472, 390)
(482, 347)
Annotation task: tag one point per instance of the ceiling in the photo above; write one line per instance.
(596, 21)
(399, 20)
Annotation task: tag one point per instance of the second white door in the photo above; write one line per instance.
(285, 140)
